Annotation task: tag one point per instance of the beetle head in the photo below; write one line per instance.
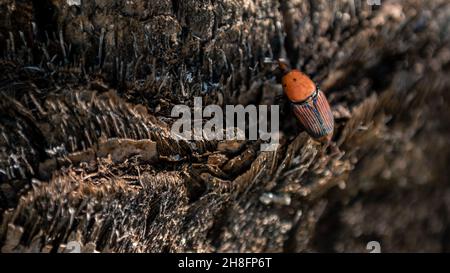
(283, 66)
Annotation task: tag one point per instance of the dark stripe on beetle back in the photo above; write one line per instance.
(316, 117)
(319, 117)
(327, 115)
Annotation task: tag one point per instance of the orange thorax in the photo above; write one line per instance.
(297, 86)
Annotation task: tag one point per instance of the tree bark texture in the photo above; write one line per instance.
(86, 155)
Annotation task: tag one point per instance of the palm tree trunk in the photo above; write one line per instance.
(86, 93)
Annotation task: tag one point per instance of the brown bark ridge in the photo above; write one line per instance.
(86, 155)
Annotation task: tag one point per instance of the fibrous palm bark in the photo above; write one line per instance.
(86, 153)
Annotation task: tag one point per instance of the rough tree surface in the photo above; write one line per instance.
(86, 155)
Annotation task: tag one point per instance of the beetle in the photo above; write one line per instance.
(309, 103)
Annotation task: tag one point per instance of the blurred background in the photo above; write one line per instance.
(86, 90)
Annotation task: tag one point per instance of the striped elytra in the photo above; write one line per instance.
(316, 116)
(310, 105)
